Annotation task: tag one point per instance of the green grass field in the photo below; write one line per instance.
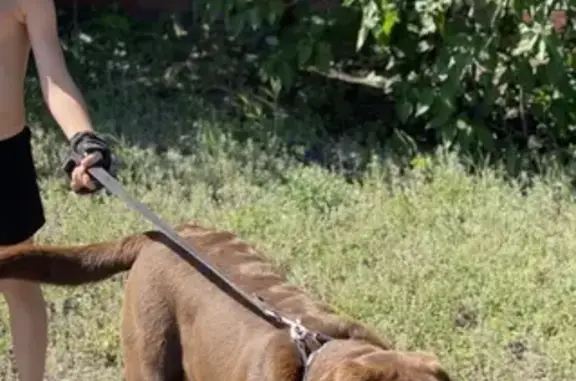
(466, 267)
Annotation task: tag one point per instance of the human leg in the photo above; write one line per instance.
(29, 326)
(21, 216)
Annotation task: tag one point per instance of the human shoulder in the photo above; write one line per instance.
(11, 8)
(30, 10)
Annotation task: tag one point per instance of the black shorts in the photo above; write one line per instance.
(21, 209)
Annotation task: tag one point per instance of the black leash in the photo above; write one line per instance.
(298, 332)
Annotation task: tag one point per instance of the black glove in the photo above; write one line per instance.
(81, 145)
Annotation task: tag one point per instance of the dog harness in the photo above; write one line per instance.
(308, 343)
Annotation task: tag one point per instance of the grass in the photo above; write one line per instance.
(435, 259)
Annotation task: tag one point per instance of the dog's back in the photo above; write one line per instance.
(251, 271)
(169, 301)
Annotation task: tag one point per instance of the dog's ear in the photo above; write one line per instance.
(399, 366)
(354, 371)
(428, 363)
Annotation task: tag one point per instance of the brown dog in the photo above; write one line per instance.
(177, 325)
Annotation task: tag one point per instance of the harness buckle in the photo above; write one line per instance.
(301, 336)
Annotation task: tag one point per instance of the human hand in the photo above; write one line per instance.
(80, 179)
(86, 150)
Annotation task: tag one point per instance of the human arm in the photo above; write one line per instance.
(62, 96)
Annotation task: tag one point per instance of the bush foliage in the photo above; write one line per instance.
(490, 77)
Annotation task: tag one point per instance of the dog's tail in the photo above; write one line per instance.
(73, 265)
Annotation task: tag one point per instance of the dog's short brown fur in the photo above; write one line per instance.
(177, 325)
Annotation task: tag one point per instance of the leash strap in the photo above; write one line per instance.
(183, 247)
(299, 334)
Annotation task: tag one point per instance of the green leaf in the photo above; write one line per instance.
(369, 20)
(443, 108)
(305, 50)
(362, 35)
(446, 132)
(440, 20)
(114, 21)
(255, 19)
(525, 45)
(428, 25)
(542, 53)
(276, 10)
(322, 56)
(425, 100)
(463, 125)
(404, 109)
(286, 74)
(276, 85)
(237, 23)
(421, 109)
(216, 8)
(485, 137)
(390, 19)
(524, 75)
(571, 60)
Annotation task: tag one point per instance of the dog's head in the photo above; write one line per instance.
(349, 360)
